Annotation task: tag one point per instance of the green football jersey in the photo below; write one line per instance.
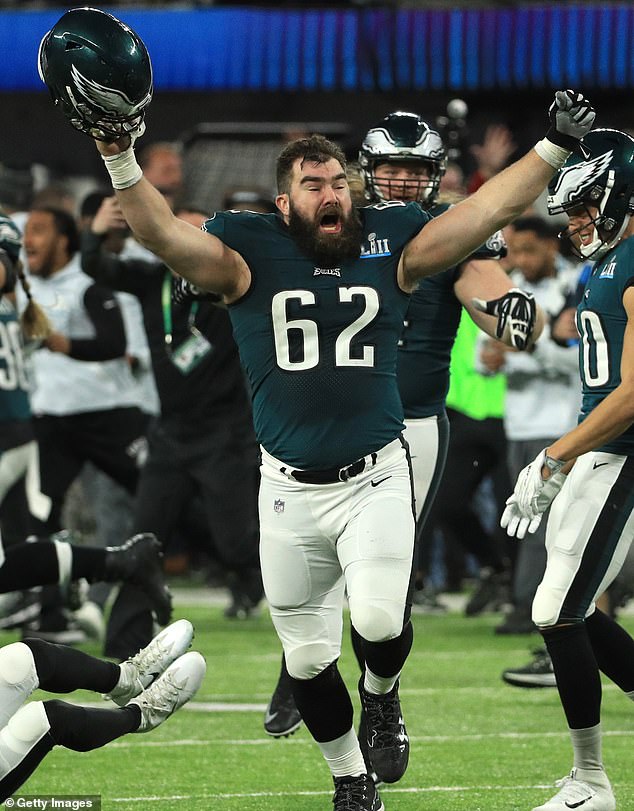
(14, 382)
(431, 326)
(601, 321)
(319, 344)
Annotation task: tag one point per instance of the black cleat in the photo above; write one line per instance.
(282, 717)
(139, 561)
(491, 594)
(537, 673)
(362, 735)
(387, 740)
(356, 794)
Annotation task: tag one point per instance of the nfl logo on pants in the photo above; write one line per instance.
(278, 505)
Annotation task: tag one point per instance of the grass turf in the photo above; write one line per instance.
(476, 743)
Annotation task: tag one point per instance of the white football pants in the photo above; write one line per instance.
(318, 541)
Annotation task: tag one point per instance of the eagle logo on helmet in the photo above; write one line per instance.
(112, 102)
(10, 238)
(576, 182)
(379, 141)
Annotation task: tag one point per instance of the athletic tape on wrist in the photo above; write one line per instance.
(555, 155)
(123, 169)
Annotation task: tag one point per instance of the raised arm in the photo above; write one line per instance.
(197, 256)
(452, 236)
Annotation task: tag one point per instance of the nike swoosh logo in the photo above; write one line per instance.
(380, 481)
(585, 799)
(269, 717)
(594, 467)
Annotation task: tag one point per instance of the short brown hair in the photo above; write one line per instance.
(315, 149)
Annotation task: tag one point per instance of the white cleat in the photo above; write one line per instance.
(141, 670)
(170, 691)
(593, 793)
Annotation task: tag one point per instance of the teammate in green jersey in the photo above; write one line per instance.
(588, 474)
(317, 295)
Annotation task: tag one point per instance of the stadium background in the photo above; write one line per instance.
(251, 72)
(246, 73)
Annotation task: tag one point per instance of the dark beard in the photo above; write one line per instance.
(331, 250)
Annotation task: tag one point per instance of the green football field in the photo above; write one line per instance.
(476, 743)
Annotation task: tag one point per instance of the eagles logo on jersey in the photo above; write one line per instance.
(605, 184)
(98, 71)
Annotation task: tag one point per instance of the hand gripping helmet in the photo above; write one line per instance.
(98, 71)
(403, 137)
(604, 182)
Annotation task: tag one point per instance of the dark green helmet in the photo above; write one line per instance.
(98, 71)
(604, 182)
(10, 238)
(404, 137)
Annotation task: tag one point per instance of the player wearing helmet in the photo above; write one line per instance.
(402, 158)
(317, 294)
(588, 474)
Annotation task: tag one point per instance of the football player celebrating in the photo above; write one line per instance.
(148, 688)
(588, 474)
(317, 296)
(402, 158)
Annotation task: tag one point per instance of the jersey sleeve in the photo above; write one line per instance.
(215, 225)
(626, 262)
(494, 248)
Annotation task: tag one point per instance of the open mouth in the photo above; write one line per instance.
(330, 224)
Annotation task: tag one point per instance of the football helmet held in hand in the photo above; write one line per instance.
(605, 182)
(98, 71)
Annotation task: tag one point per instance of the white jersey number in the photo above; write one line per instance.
(595, 357)
(282, 325)
(12, 372)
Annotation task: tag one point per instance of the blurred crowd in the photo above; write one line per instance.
(142, 419)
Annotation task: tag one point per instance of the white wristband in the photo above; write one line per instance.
(555, 155)
(123, 169)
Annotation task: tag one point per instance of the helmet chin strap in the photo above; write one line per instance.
(598, 247)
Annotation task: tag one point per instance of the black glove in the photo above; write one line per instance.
(516, 312)
(184, 291)
(571, 117)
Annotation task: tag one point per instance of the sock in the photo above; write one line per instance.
(343, 755)
(88, 562)
(357, 646)
(613, 648)
(61, 669)
(27, 565)
(86, 728)
(586, 744)
(324, 704)
(377, 685)
(577, 673)
(386, 659)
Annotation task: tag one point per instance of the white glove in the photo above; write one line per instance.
(571, 117)
(515, 524)
(532, 493)
(516, 312)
